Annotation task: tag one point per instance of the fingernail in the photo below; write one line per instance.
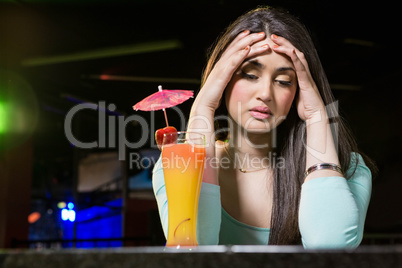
(274, 36)
(264, 46)
(246, 48)
(275, 46)
(261, 33)
(246, 31)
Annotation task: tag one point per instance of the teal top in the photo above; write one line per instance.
(332, 212)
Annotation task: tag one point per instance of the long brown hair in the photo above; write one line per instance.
(288, 179)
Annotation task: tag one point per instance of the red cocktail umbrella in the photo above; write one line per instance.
(163, 99)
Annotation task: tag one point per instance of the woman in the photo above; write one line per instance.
(289, 170)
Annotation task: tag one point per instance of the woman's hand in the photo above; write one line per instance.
(234, 55)
(320, 147)
(310, 105)
(208, 99)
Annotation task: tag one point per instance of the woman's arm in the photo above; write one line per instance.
(319, 145)
(202, 120)
(208, 99)
(333, 210)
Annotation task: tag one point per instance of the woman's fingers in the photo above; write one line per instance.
(301, 69)
(283, 43)
(309, 101)
(238, 50)
(241, 41)
(283, 46)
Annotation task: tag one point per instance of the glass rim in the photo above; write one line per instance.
(183, 136)
(184, 132)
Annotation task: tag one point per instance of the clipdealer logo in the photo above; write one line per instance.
(114, 125)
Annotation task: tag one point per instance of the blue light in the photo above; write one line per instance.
(70, 205)
(71, 215)
(96, 222)
(65, 214)
(68, 214)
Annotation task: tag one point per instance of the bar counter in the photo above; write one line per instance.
(205, 256)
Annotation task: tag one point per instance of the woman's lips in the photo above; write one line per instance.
(261, 112)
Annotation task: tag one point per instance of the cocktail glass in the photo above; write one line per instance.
(183, 159)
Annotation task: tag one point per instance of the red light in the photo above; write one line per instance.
(33, 217)
(104, 77)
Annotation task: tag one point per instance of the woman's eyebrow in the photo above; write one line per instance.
(256, 63)
(284, 69)
(259, 65)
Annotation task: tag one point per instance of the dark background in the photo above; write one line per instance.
(358, 43)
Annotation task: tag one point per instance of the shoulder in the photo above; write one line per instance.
(158, 165)
(158, 179)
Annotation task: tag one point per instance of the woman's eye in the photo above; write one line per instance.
(284, 82)
(249, 76)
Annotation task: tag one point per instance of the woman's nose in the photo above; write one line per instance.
(265, 92)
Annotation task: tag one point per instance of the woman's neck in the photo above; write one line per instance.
(250, 151)
(256, 144)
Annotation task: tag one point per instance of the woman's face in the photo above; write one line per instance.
(261, 91)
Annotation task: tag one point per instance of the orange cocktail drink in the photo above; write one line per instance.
(183, 165)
